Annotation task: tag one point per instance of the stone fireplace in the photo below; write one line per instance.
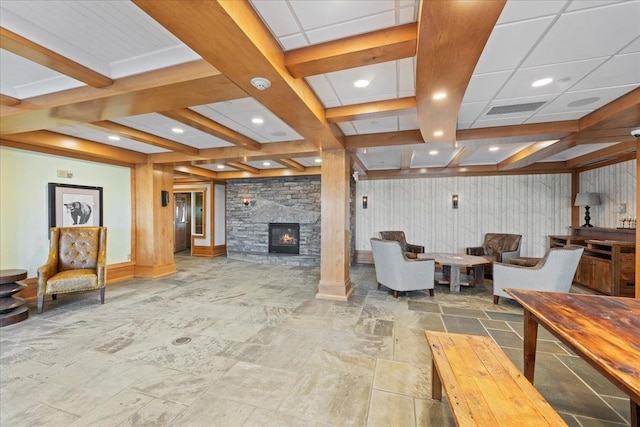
(284, 238)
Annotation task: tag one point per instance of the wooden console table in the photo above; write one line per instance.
(608, 261)
(12, 309)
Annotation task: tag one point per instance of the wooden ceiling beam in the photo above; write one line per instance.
(520, 133)
(206, 125)
(365, 49)
(291, 164)
(463, 154)
(451, 38)
(144, 137)
(371, 110)
(194, 170)
(243, 167)
(78, 146)
(355, 142)
(41, 55)
(608, 153)
(8, 100)
(536, 152)
(269, 173)
(193, 83)
(243, 48)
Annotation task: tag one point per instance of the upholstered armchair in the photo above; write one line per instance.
(399, 273)
(553, 273)
(497, 247)
(411, 251)
(77, 262)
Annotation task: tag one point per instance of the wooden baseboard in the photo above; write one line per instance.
(363, 257)
(209, 251)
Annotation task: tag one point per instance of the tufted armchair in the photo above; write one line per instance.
(497, 247)
(399, 273)
(77, 262)
(410, 251)
(553, 273)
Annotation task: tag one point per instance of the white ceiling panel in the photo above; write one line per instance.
(423, 157)
(408, 122)
(217, 167)
(353, 27)
(278, 13)
(378, 125)
(323, 90)
(323, 13)
(483, 87)
(264, 164)
(588, 33)
(564, 76)
(347, 128)
(308, 162)
(483, 156)
(567, 115)
(618, 71)
(382, 78)
(519, 10)
(600, 97)
(577, 151)
(471, 112)
(380, 160)
(103, 138)
(508, 45)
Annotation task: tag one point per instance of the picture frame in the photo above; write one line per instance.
(74, 205)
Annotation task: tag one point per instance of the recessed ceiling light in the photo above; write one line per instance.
(438, 133)
(542, 82)
(494, 148)
(177, 130)
(114, 138)
(266, 164)
(440, 95)
(220, 166)
(433, 152)
(361, 83)
(257, 120)
(318, 160)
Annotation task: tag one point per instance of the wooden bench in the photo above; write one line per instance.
(483, 386)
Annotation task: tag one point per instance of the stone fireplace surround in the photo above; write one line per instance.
(285, 200)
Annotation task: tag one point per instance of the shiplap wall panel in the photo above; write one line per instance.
(615, 184)
(532, 205)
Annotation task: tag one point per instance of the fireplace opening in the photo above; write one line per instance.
(284, 238)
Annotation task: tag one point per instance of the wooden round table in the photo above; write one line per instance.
(12, 309)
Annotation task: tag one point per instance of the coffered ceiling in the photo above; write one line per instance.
(170, 82)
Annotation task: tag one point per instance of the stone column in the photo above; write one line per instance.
(335, 282)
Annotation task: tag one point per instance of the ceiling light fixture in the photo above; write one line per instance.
(318, 160)
(114, 138)
(438, 133)
(494, 148)
(542, 82)
(177, 130)
(260, 83)
(257, 120)
(220, 166)
(440, 95)
(433, 152)
(266, 164)
(361, 83)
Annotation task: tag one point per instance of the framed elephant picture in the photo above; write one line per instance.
(74, 205)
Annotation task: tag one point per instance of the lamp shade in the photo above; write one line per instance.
(587, 199)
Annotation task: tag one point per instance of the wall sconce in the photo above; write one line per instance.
(365, 201)
(620, 208)
(454, 201)
(246, 201)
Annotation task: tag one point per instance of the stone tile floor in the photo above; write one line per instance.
(231, 343)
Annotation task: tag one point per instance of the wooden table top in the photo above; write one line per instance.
(10, 276)
(603, 330)
(456, 259)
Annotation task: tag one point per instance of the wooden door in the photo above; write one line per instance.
(180, 221)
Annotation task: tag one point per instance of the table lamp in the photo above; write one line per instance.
(587, 200)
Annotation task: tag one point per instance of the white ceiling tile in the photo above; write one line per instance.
(422, 158)
(618, 71)
(483, 87)
(406, 76)
(323, 90)
(569, 115)
(588, 34)
(308, 162)
(577, 151)
(278, 15)
(586, 4)
(264, 164)
(634, 46)
(407, 15)
(382, 84)
(408, 122)
(236, 105)
(351, 28)
(293, 41)
(347, 128)
(103, 138)
(217, 167)
(561, 104)
(564, 76)
(380, 160)
(321, 13)
(519, 10)
(502, 120)
(482, 156)
(509, 44)
(384, 124)
(470, 112)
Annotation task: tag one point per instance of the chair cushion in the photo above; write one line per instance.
(72, 280)
(495, 243)
(411, 255)
(78, 248)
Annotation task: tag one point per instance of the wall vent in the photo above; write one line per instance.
(516, 108)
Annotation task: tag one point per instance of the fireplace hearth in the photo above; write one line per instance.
(284, 238)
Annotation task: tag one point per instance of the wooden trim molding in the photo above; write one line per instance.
(363, 257)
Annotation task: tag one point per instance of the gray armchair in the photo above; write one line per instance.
(77, 262)
(497, 247)
(399, 273)
(411, 251)
(553, 273)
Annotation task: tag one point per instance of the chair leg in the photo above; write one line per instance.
(54, 296)
(495, 299)
(395, 294)
(430, 292)
(40, 303)
(101, 295)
